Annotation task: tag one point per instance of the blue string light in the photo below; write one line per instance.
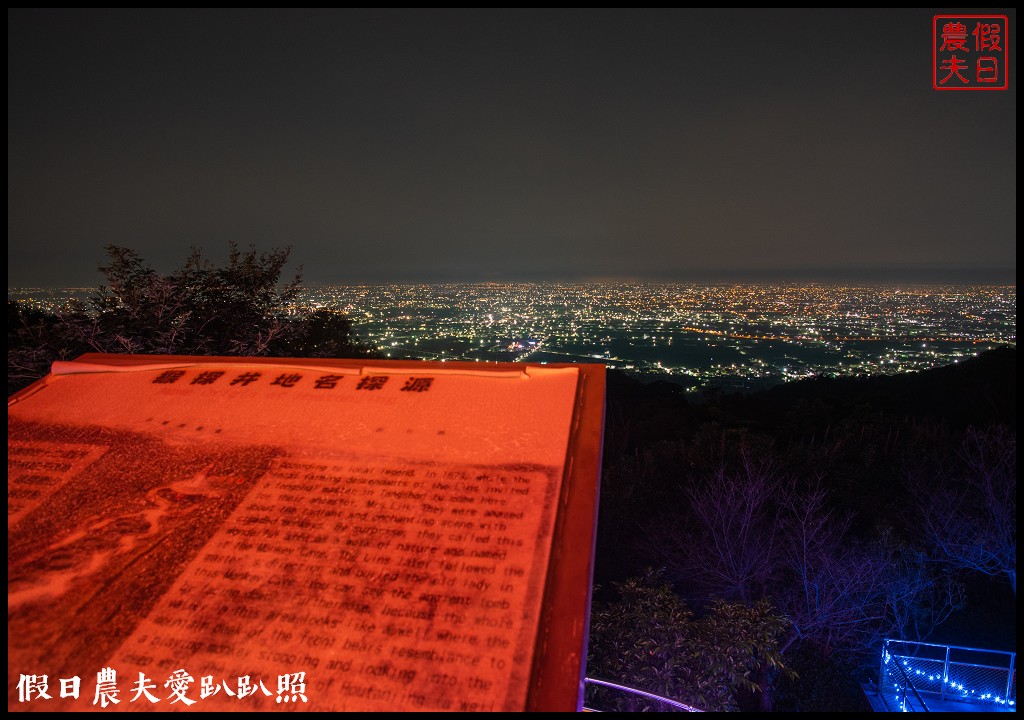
(965, 692)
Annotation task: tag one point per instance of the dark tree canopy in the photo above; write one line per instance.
(645, 636)
(199, 309)
(862, 508)
(239, 308)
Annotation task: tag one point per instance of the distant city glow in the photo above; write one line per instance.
(726, 336)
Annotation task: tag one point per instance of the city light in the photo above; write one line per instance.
(733, 337)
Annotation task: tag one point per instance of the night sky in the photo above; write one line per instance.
(507, 145)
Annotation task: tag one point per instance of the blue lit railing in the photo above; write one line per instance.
(635, 700)
(910, 670)
(897, 689)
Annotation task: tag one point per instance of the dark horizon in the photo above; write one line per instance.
(753, 276)
(316, 274)
(836, 278)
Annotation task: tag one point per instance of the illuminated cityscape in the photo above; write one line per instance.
(732, 337)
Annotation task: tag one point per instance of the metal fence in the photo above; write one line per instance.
(912, 672)
(602, 695)
(896, 690)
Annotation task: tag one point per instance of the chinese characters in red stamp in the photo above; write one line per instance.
(970, 52)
